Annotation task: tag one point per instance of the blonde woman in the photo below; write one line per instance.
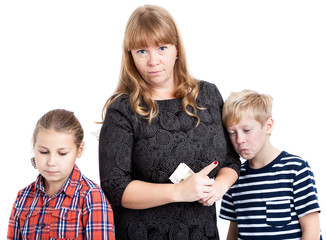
(159, 117)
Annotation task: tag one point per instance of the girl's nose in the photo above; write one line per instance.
(51, 161)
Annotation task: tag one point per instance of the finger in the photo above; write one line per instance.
(206, 170)
(208, 181)
(207, 202)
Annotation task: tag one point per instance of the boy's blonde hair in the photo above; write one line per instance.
(247, 103)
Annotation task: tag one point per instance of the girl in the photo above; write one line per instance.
(61, 203)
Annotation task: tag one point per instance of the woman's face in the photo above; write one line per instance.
(155, 64)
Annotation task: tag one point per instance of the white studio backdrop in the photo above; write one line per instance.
(67, 54)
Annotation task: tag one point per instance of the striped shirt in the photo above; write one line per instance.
(79, 210)
(267, 203)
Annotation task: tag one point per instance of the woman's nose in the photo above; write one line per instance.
(154, 58)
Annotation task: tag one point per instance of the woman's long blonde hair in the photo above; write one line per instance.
(150, 24)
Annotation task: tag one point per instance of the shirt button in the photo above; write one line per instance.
(47, 204)
(43, 225)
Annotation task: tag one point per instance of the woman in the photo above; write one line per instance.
(158, 118)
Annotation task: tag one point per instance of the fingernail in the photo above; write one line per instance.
(215, 162)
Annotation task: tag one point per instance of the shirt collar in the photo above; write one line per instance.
(69, 187)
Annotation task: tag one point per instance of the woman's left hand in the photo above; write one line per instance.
(225, 178)
(219, 189)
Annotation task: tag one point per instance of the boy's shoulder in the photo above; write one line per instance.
(291, 159)
(284, 161)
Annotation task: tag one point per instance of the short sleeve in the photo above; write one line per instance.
(304, 191)
(115, 151)
(227, 210)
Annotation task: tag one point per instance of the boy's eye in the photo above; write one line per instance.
(246, 130)
(231, 133)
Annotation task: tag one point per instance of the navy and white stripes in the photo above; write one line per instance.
(268, 202)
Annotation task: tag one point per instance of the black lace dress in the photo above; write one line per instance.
(130, 148)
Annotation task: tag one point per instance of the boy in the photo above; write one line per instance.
(275, 196)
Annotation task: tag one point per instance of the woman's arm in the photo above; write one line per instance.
(310, 226)
(225, 178)
(141, 195)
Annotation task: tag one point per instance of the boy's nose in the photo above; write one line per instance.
(240, 138)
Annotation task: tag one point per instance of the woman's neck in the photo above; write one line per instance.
(163, 93)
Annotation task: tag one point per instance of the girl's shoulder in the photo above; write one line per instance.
(26, 193)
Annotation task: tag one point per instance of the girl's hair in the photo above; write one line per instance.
(62, 121)
(247, 103)
(153, 25)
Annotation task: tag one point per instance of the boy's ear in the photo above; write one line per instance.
(269, 126)
(80, 149)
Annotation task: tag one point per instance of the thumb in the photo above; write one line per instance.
(206, 170)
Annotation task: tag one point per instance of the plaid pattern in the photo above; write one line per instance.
(79, 210)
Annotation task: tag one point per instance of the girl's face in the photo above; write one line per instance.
(55, 156)
(155, 64)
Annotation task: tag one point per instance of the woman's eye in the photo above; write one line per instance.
(43, 152)
(141, 51)
(63, 154)
(163, 48)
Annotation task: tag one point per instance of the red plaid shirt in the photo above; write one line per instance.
(79, 210)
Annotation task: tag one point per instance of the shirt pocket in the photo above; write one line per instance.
(278, 213)
(28, 222)
(65, 223)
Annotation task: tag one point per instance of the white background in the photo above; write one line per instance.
(67, 54)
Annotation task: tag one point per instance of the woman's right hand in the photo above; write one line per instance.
(197, 186)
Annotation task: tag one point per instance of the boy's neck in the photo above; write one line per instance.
(266, 156)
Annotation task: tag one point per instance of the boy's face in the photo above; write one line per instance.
(249, 137)
(55, 156)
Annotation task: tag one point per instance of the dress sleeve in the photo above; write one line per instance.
(115, 151)
(98, 216)
(232, 158)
